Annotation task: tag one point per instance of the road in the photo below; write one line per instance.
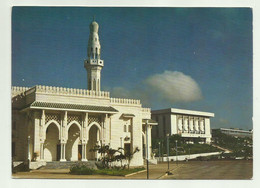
(233, 169)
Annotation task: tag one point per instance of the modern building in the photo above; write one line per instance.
(234, 132)
(188, 124)
(62, 124)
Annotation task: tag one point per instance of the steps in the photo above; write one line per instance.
(68, 164)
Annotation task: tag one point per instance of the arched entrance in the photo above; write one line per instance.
(51, 144)
(73, 149)
(94, 134)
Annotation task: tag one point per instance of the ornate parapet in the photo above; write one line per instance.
(147, 110)
(18, 90)
(72, 91)
(60, 91)
(125, 101)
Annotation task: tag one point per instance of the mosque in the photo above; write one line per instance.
(63, 124)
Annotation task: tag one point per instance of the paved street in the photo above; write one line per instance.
(238, 169)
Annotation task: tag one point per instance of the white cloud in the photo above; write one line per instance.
(174, 87)
(169, 87)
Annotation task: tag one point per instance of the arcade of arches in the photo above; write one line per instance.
(69, 140)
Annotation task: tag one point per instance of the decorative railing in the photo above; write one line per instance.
(146, 110)
(18, 90)
(61, 91)
(124, 101)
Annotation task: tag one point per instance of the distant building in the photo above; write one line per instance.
(188, 124)
(235, 132)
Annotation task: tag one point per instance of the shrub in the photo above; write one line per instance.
(83, 170)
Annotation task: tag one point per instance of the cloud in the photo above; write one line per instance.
(174, 87)
(168, 87)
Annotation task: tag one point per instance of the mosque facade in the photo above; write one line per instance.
(63, 124)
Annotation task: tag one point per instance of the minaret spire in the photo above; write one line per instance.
(94, 64)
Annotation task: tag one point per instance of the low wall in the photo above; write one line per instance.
(184, 157)
(36, 165)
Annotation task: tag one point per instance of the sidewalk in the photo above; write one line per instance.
(155, 172)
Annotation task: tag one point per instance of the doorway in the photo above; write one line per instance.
(79, 152)
(58, 152)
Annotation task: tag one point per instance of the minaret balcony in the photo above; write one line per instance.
(97, 62)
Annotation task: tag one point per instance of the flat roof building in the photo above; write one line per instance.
(188, 124)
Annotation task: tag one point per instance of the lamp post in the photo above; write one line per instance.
(176, 152)
(159, 151)
(189, 152)
(121, 144)
(147, 152)
(167, 136)
(29, 155)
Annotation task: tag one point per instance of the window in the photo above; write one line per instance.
(129, 128)
(125, 128)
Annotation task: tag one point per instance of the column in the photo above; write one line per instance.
(106, 129)
(41, 151)
(148, 141)
(62, 152)
(63, 137)
(84, 129)
(64, 126)
(84, 153)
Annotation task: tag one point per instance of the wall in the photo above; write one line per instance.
(117, 130)
(184, 157)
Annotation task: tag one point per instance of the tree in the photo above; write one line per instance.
(108, 155)
(129, 155)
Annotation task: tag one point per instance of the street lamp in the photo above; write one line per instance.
(167, 136)
(121, 147)
(29, 155)
(189, 152)
(176, 152)
(159, 151)
(147, 150)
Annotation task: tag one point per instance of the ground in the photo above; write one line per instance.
(228, 169)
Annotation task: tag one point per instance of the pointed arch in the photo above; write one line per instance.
(93, 135)
(73, 141)
(74, 122)
(50, 122)
(94, 123)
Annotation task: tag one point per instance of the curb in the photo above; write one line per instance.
(134, 173)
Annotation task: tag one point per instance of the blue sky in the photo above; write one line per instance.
(191, 58)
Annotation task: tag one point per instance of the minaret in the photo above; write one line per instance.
(94, 64)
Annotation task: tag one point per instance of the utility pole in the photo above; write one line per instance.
(159, 151)
(167, 136)
(189, 152)
(147, 148)
(176, 152)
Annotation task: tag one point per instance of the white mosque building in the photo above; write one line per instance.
(63, 124)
